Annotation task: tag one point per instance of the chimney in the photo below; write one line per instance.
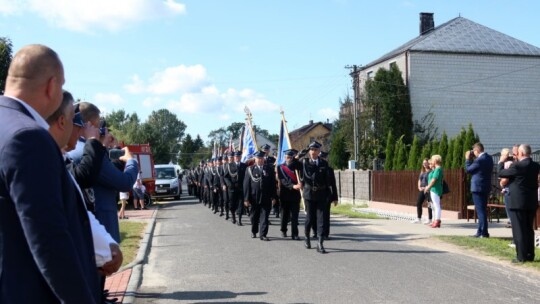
(311, 122)
(426, 23)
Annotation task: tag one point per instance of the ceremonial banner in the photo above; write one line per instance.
(284, 142)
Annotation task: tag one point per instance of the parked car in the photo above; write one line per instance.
(167, 184)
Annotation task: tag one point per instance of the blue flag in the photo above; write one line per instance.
(284, 143)
(249, 145)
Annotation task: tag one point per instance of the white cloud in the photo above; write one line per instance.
(328, 113)
(177, 79)
(87, 16)
(9, 7)
(189, 90)
(109, 99)
(151, 102)
(107, 102)
(136, 86)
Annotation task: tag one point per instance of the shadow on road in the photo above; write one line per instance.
(198, 295)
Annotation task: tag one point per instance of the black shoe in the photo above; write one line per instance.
(294, 237)
(221, 214)
(484, 236)
(264, 238)
(516, 261)
(253, 235)
(315, 236)
(284, 234)
(475, 235)
(320, 246)
(234, 221)
(144, 208)
(277, 215)
(240, 223)
(326, 238)
(307, 243)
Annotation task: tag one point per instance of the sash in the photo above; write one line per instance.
(289, 173)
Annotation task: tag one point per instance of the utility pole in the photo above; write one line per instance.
(356, 101)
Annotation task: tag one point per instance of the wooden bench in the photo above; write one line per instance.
(490, 209)
(495, 208)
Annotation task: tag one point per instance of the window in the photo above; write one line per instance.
(393, 64)
(370, 75)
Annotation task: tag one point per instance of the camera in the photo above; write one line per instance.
(116, 153)
(102, 127)
(510, 158)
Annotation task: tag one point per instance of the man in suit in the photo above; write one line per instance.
(317, 189)
(46, 249)
(65, 127)
(260, 193)
(480, 165)
(271, 161)
(331, 199)
(523, 188)
(289, 193)
(233, 178)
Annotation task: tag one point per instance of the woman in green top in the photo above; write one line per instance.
(434, 187)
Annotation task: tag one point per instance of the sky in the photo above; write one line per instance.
(206, 60)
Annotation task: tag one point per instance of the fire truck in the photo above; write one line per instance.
(145, 158)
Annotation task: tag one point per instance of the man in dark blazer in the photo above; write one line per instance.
(523, 190)
(260, 193)
(317, 192)
(289, 193)
(46, 249)
(480, 165)
(233, 179)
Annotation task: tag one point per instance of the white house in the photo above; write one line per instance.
(465, 73)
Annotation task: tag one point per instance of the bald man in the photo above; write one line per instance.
(46, 248)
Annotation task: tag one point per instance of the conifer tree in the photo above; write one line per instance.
(414, 154)
(469, 138)
(458, 152)
(426, 152)
(400, 159)
(450, 155)
(388, 162)
(443, 148)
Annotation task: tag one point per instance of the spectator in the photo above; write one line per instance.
(65, 126)
(480, 165)
(423, 196)
(434, 188)
(124, 196)
(523, 202)
(138, 194)
(35, 267)
(503, 182)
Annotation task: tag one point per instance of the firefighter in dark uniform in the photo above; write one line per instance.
(316, 182)
(217, 193)
(208, 183)
(260, 193)
(198, 175)
(270, 160)
(223, 188)
(233, 178)
(331, 199)
(289, 193)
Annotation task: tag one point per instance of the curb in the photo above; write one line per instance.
(136, 265)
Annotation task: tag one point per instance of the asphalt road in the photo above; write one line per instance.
(198, 257)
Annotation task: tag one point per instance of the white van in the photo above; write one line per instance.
(167, 184)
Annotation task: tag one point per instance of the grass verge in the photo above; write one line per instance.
(346, 209)
(131, 234)
(495, 247)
